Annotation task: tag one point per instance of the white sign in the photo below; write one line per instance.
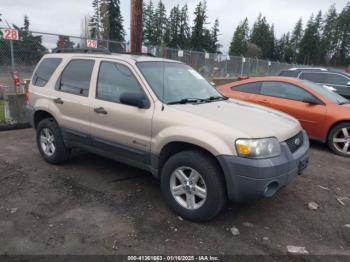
(144, 50)
(269, 63)
(180, 53)
(10, 34)
(90, 43)
(243, 59)
(207, 56)
(228, 58)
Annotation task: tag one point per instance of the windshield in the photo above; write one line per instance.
(323, 91)
(176, 83)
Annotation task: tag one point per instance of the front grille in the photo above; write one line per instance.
(295, 142)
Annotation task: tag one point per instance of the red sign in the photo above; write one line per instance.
(91, 43)
(10, 34)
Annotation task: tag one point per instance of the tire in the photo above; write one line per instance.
(211, 178)
(61, 153)
(340, 132)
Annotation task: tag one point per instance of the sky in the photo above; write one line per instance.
(65, 16)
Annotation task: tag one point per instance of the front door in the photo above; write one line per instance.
(122, 130)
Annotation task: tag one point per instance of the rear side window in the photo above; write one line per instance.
(45, 70)
(336, 79)
(75, 78)
(115, 79)
(284, 90)
(252, 88)
(314, 77)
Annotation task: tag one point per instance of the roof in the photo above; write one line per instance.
(291, 80)
(117, 56)
(307, 69)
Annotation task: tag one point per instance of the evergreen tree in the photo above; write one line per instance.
(173, 28)
(263, 36)
(214, 34)
(283, 49)
(94, 22)
(184, 30)
(199, 32)
(295, 40)
(149, 25)
(239, 43)
(310, 43)
(342, 56)
(330, 35)
(29, 48)
(160, 23)
(112, 20)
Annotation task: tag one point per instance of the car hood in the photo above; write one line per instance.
(249, 120)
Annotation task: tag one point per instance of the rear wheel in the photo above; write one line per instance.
(50, 142)
(339, 139)
(193, 185)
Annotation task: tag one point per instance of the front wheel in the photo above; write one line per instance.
(193, 186)
(339, 139)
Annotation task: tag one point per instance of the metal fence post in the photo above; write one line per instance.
(242, 65)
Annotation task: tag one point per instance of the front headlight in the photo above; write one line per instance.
(258, 148)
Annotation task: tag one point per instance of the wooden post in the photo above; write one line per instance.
(136, 26)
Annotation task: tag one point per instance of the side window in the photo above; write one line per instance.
(289, 73)
(45, 70)
(253, 88)
(335, 79)
(284, 90)
(115, 79)
(75, 78)
(314, 77)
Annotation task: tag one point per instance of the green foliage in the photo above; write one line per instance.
(112, 20)
(28, 50)
(295, 40)
(160, 23)
(148, 24)
(263, 36)
(239, 43)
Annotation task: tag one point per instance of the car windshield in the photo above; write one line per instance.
(325, 92)
(176, 83)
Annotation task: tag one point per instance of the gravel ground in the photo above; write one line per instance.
(92, 205)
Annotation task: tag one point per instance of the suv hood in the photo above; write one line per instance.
(253, 121)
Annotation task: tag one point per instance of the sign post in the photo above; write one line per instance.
(11, 34)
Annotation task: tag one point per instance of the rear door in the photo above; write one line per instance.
(70, 99)
(289, 98)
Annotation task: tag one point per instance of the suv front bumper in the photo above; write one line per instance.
(248, 179)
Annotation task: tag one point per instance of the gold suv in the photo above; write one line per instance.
(162, 116)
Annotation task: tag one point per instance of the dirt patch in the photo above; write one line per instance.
(92, 205)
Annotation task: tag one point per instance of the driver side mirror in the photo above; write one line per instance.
(134, 99)
(311, 100)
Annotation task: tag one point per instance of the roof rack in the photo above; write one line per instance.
(134, 53)
(97, 51)
(82, 50)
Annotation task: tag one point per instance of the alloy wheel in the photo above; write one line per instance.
(188, 188)
(47, 142)
(341, 140)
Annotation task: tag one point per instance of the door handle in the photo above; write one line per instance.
(100, 110)
(58, 101)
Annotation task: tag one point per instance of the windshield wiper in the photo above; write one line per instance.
(216, 98)
(187, 101)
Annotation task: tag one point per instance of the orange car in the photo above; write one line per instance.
(324, 114)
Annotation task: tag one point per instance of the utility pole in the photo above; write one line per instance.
(136, 26)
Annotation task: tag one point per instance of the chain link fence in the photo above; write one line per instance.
(32, 45)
